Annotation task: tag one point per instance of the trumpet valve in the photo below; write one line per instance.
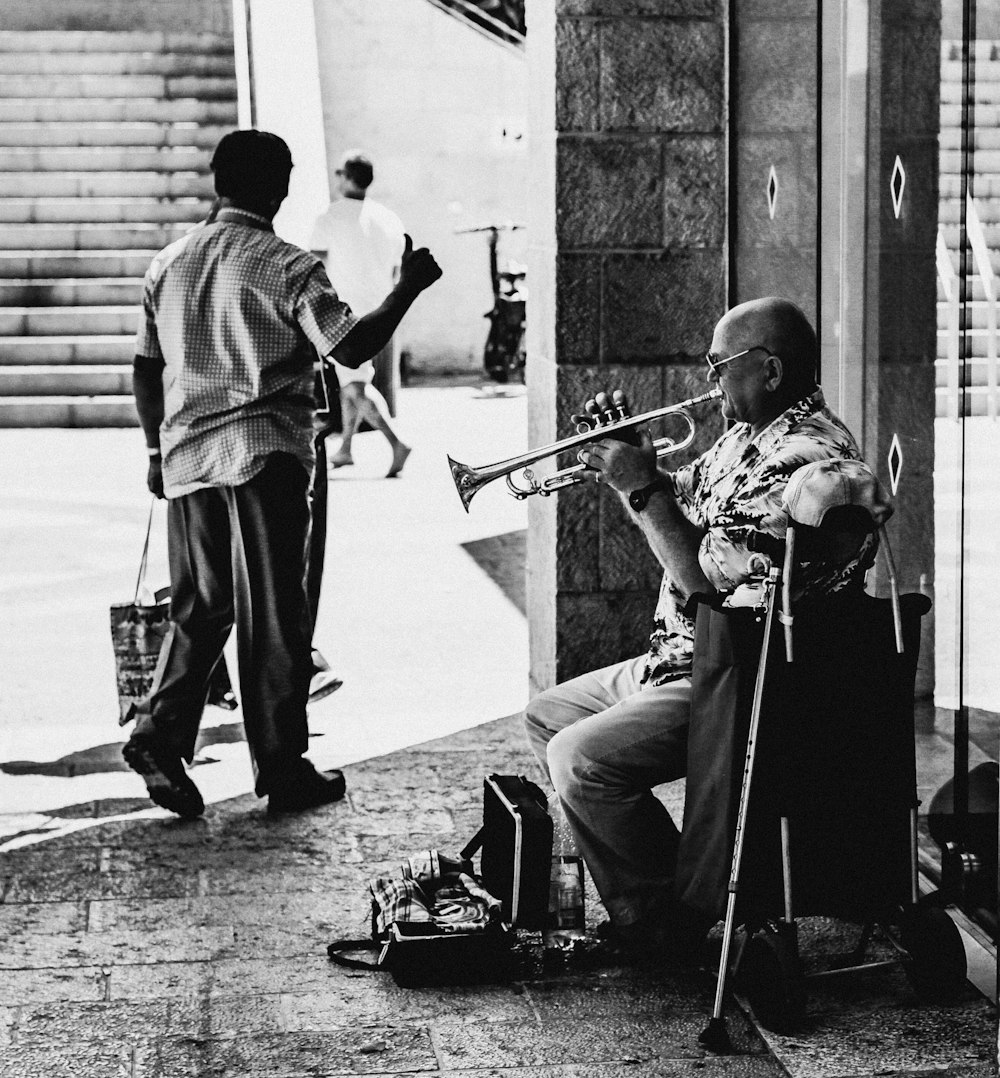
(620, 403)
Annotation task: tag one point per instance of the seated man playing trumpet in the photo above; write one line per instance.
(608, 737)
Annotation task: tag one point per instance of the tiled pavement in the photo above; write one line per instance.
(158, 948)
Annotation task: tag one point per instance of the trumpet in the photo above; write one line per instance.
(605, 418)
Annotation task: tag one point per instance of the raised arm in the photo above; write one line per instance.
(372, 332)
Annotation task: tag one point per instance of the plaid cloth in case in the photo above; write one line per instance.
(462, 906)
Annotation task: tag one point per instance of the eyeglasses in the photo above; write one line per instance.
(714, 363)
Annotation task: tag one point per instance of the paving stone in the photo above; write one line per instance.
(8, 1019)
(69, 886)
(244, 1015)
(390, 822)
(375, 999)
(225, 977)
(388, 1050)
(265, 881)
(147, 915)
(24, 987)
(132, 1023)
(175, 944)
(735, 1066)
(59, 1024)
(92, 1059)
(618, 992)
(673, 1035)
(44, 917)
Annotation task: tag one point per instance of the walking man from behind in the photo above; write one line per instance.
(223, 380)
(361, 244)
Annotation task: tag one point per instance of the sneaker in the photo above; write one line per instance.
(166, 780)
(307, 790)
(322, 683)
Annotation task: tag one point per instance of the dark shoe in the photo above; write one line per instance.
(653, 944)
(310, 789)
(166, 780)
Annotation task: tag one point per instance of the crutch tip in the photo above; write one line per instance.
(715, 1037)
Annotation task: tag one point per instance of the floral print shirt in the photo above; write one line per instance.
(735, 489)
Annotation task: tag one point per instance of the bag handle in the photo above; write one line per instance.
(473, 845)
(336, 952)
(145, 553)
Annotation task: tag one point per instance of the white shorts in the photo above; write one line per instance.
(365, 373)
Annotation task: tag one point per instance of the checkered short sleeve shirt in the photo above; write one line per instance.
(235, 313)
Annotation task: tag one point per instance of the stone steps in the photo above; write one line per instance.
(112, 410)
(31, 265)
(45, 64)
(94, 210)
(106, 184)
(60, 321)
(71, 292)
(86, 41)
(102, 236)
(105, 143)
(117, 109)
(66, 134)
(89, 380)
(168, 87)
(105, 159)
(70, 350)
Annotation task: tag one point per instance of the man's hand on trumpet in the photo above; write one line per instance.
(622, 465)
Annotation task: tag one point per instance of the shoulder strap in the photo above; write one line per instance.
(336, 952)
(473, 845)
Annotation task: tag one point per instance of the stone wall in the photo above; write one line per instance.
(180, 16)
(628, 271)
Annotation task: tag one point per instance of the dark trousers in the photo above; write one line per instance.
(317, 532)
(238, 556)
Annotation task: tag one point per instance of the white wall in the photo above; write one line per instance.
(429, 100)
(286, 90)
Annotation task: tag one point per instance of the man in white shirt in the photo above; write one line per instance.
(361, 243)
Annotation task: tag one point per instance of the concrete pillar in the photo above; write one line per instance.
(628, 276)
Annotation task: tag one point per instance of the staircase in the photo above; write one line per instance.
(981, 396)
(105, 140)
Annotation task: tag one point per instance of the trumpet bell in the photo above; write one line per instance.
(467, 482)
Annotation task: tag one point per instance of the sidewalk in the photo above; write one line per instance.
(142, 946)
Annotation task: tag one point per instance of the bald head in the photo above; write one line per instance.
(780, 326)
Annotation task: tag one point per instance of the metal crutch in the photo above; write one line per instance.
(715, 1036)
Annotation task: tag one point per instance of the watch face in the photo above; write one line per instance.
(638, 498)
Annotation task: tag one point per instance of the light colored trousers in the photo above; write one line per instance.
(605, 742)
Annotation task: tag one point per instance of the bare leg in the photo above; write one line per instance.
(352, 395)
(375, 411)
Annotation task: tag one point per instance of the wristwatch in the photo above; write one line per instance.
(639, 499)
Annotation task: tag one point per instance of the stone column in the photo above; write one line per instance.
(628, 277)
